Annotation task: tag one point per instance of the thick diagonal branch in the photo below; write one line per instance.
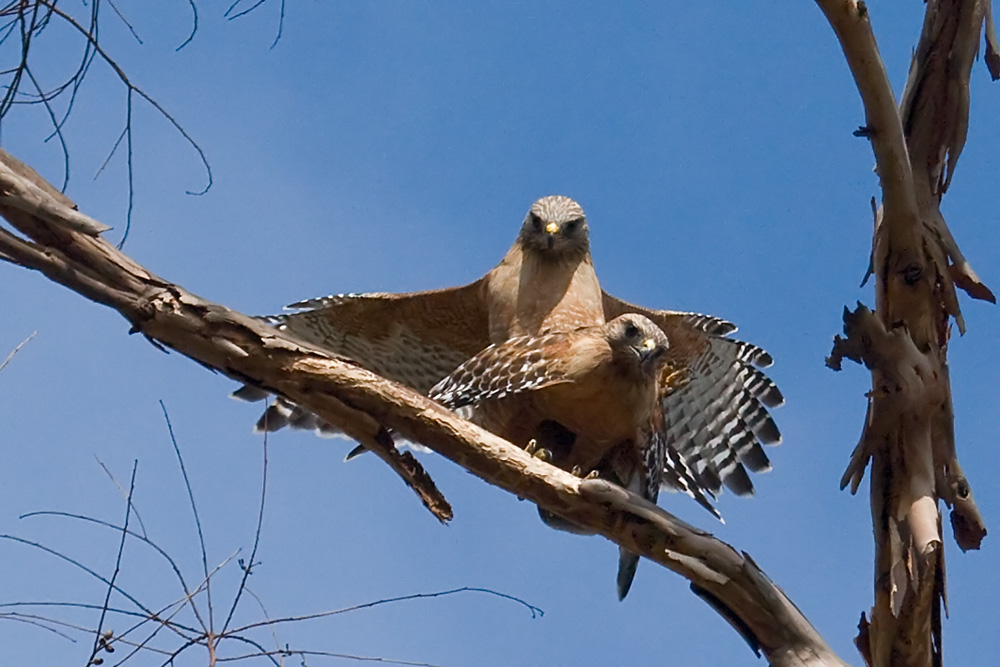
(365, 404)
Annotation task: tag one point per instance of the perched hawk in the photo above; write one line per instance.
(601, 384)
(710, 388)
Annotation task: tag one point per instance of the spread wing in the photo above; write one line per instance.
(518, 365)
(415, 339)
(715, 397)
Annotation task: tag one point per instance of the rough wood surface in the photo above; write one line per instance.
(365, 405)
(909, 428)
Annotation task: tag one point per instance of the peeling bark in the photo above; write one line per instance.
(917, 264)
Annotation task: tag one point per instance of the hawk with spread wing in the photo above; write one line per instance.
(600, 384)
(711, 389)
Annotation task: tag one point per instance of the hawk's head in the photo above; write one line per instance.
(637, 342)
(556, 227)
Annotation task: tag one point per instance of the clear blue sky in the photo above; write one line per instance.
(397, 146)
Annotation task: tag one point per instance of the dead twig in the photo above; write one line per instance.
(16, 350)
(28, 21)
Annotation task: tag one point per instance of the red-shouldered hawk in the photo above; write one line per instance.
(714, 395)
(545, 282)
(600, 383)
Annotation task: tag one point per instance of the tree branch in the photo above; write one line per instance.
(909, 426)
(365, 405)
(849, 19)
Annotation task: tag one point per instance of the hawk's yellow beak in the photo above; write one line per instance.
(551, 228)
(649, 351)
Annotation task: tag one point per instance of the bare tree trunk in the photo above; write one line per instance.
(909, 428)
(66, 246)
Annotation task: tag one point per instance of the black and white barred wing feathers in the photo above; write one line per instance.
(644, 463)
(715, 397)
(676, 474)
(521, 364)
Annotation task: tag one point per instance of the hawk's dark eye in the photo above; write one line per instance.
(536, 222)
(631, 330)
(572, 226)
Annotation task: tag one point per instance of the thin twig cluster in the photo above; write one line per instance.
(24, 29)
(165, 632)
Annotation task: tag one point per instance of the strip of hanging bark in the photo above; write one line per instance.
(364, 405)
(909, 432)
(992, 49)
(967, 523)
(935, 116)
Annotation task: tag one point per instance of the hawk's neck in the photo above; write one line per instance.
(531, 293)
